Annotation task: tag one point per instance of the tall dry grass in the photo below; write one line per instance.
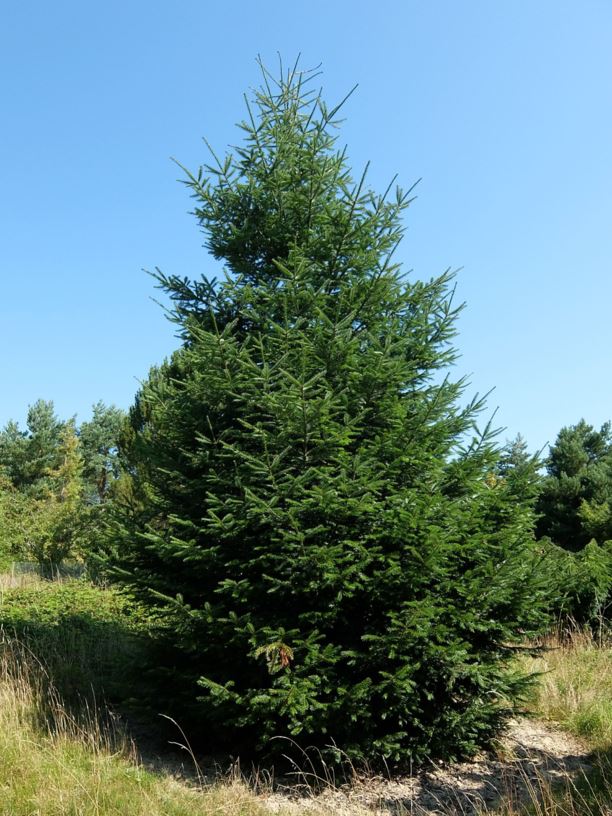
(52, 763)
(55, 762)
(574, 692)
(575, 688)
(18, 579)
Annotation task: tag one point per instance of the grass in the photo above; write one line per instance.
(10, 578)
(58, 759)
(91, 641)
(52, 764)
(575, 689)
(575, 693)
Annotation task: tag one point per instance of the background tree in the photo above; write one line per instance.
(575, 502)
(520, 470)
(312, 513)
(54, 480)
(99, 439)
(57, 524)
(27, 456)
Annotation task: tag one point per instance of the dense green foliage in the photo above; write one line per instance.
(90, 641)
(574, 507)
(98, 439)
(580, 583)
(54, 481)
(27, 456)
(312, 507)
(575, 502)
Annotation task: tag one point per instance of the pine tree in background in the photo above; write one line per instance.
(58, 517)
(99, 438)
(575, 502)
(26, 456)
(312, 508)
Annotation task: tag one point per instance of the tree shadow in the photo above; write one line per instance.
(100, 678)
(529, 776)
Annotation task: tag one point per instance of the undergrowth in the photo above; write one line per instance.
(58, 758)
(52, 763)
(92, 642)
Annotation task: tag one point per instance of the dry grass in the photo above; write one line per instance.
(17, 579)
(52, 764)
(575, 693)
(575, 688)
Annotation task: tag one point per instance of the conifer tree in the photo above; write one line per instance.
(58, 516)
(98, 439)
(312, 504)
(520, 470)
(26, 456)
(575, 501)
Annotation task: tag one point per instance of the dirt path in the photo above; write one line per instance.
(531, 753)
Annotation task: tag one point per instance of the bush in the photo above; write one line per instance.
(580, 582)
(89, 640)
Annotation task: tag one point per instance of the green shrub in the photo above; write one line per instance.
(89, 640)
(580, 582)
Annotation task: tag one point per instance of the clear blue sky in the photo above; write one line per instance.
(504, 108)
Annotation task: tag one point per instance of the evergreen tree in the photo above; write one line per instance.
(520, 469)
(575, 502)
(58, 519)
(26, 456)
(13, 453)
(312, 508)
(99, 439)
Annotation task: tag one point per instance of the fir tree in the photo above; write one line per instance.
(575, 501)
(312, 507)
(520, 470)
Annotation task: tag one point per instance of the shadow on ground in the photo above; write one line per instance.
(532, 760)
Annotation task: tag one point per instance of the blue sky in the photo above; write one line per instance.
(503, 108)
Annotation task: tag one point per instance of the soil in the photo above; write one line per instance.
(532, 754)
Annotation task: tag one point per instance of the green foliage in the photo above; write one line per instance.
(27, 456)
(14, 516)
(312, 508)
(90, 640)
(99, 438)
(57, 519)
(520, 470)
(55, 480)
(596, 518)
(580, 583)
(574, 508)
(576, 495)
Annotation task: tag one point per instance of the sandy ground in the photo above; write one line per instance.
(530, 754)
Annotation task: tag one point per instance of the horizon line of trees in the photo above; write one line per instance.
(59, 480)
(56, 478)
